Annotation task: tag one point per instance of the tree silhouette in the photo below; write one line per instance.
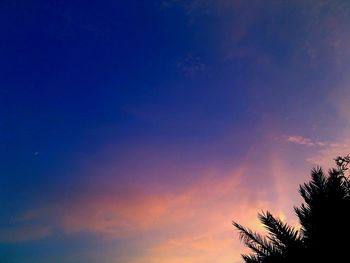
(324, 217)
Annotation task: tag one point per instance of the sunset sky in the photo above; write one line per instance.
(135, 131)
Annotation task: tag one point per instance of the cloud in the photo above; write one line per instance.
(210, 236)
(300, 140)
(134, 211)
(189, 222)
(296, 139)
(192, 223)
(319, 29)
(327, 28)
(323, 153)
(325, 156)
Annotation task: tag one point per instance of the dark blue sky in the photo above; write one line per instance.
(114, 109)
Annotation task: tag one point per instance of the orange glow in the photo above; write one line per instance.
(192, 223)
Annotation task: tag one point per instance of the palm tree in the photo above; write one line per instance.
(282, 242)
(326, 213)
(324, 218)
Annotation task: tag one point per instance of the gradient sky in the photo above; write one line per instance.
(136, 131)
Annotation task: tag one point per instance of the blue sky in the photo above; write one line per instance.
(135, 131)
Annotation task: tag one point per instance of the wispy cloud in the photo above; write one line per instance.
(138, 211)
(300, 140)
(192, 222)
(326, 155)
(296, 139)
(323, 153)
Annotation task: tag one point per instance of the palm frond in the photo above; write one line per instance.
(281, 234)
(255, 241)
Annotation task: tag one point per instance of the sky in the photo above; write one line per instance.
(136, 131)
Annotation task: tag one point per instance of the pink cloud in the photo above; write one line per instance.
(124, 215)
(187, 223)
(296, 139)
(325, 156)
(192, 223)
